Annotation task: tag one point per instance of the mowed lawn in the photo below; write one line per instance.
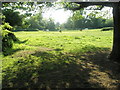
(67, 59)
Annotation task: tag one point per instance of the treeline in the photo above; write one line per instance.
(88, 23)
(91, 21)
(77, 21)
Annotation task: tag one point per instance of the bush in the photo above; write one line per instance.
(7, 38)
(7, 42)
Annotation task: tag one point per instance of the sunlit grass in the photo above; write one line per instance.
(66, 40)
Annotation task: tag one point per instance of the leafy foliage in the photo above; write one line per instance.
(6, 26)
(35, 22)
(7, 42)
(12, 17)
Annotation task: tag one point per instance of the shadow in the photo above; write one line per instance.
(103, 61)
(49, 74)
(31, 30)
(58, 49)
(100, 58)
(21, 41)
(51, 71)
(10, 51)
(7, 44)
(107, 29)
(110, 67)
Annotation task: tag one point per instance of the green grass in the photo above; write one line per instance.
(61, 60)
(66, 40)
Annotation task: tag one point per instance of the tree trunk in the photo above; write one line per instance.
(115, 54)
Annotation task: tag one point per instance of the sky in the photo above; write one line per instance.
(59, 15)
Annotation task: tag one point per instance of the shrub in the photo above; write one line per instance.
(7, 38)
(7, 42)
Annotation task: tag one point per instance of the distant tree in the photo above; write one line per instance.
(109, 23)
(50, 25)
(35, 22)
(93, 21)
(69, 24)
(57, 26)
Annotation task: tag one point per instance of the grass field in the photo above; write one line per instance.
(70, 59)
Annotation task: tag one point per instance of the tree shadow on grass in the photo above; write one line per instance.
(99, 58)
(110, 67)
(22, 41)
(50, 71)
(10, 51)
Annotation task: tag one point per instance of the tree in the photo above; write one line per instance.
(12, 17)
(35, 22)
(50, 24)
(115, 54)
(93, 21)
(78, 19)
(69, 24)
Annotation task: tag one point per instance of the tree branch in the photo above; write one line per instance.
(86, 4)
